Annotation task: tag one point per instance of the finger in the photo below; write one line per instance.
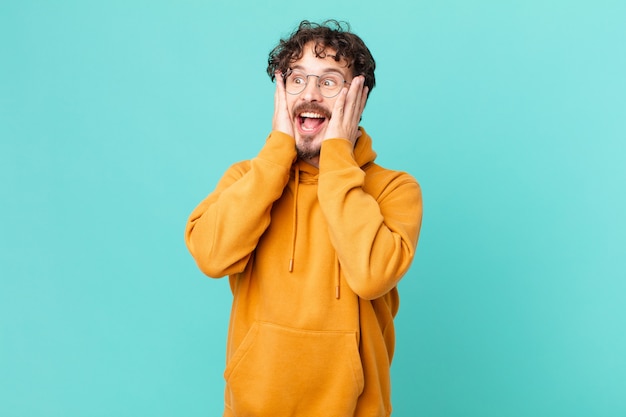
(366, 91)
(277, 90)
(280, 81)
(280, 86)
(359, 106)
(340, 104)
(353, 100)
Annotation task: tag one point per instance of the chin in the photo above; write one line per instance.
(308, 147)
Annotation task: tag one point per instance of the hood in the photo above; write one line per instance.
(363, 152)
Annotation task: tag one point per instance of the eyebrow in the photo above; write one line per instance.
(325, 71)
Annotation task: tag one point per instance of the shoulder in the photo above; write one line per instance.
(380, 180)
(234, 173)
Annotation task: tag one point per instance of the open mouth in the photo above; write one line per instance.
(310, 118)
(310, 121)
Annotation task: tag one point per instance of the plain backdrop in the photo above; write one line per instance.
(118, 117)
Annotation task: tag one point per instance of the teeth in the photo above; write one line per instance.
(310, 115)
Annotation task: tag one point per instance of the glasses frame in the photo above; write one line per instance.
(290, 71)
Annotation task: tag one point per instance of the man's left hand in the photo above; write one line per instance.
(347, 112)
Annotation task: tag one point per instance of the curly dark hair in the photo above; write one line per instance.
(329, 34)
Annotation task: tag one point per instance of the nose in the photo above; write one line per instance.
(312, 90)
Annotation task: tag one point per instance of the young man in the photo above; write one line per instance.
(314, 237)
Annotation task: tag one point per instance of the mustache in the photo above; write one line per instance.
(311, 107)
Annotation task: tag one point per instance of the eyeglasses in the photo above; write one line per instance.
(330, 84)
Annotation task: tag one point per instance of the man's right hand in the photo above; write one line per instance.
(282, 121)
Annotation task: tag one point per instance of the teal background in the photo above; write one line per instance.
(118, 117)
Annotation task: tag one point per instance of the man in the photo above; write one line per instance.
(314, 237)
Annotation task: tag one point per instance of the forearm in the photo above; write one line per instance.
(375, 236)
(224, 229)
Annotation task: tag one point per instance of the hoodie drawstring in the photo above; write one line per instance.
(338, 278)
(295, 216)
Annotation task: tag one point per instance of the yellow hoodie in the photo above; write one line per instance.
(313, 258)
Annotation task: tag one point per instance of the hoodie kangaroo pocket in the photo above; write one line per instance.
(279, 371)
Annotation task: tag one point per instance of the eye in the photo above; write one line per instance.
(296, 79)
(330, 81)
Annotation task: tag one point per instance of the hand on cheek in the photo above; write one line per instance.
(347, 111)
(281, 121)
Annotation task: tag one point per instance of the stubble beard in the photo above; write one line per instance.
(307, 148)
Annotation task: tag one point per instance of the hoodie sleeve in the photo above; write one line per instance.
(375, 236)
(224, 229)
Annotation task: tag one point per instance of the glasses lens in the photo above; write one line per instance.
(330, 84)
(295, 82)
